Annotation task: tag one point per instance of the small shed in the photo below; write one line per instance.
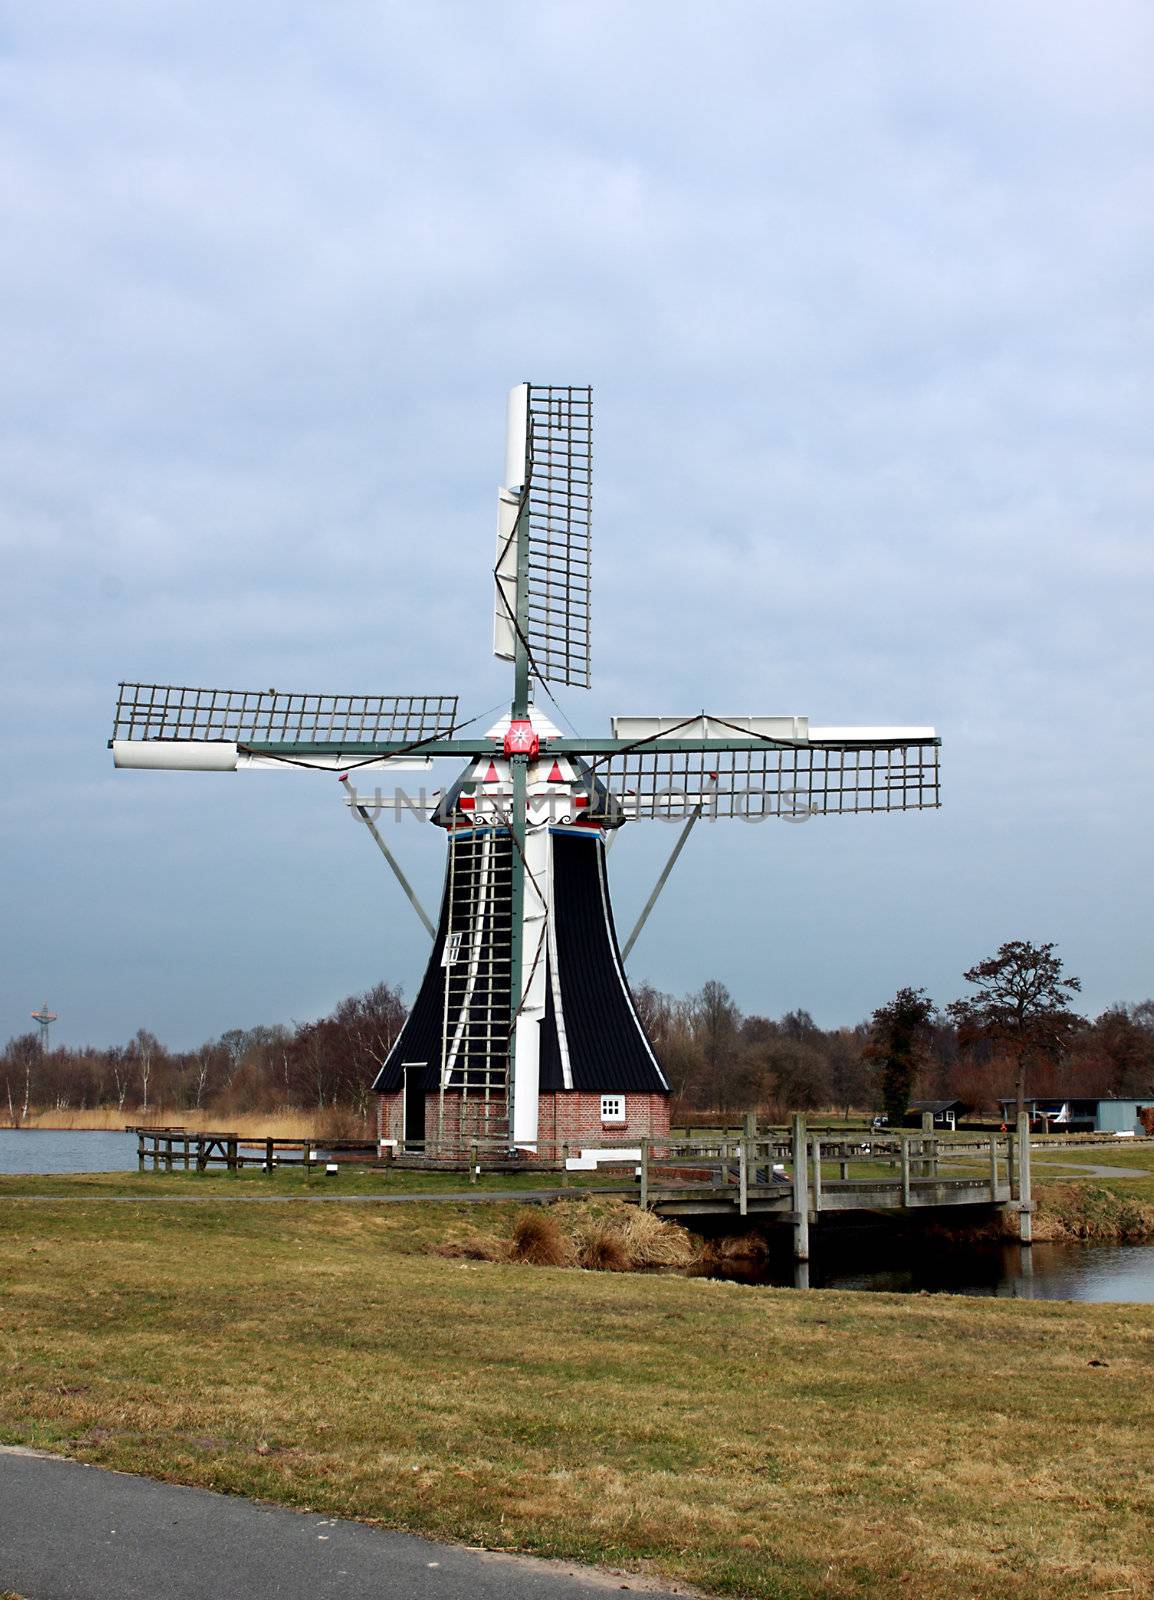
(944, 1112)
(1122, 1116)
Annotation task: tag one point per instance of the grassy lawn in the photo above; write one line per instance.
(755, 1441)
(286, 1182)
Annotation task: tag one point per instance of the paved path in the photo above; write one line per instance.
(1086, 1169)
(73, 1532)
(475, 1196)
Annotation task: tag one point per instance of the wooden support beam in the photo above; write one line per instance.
(800, 1190)
(1025, 1196)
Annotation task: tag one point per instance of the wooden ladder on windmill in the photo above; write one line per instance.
(477, 959)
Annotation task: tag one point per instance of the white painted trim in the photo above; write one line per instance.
(224, 755)
(869, 735)
(516, 436)
(555, 981)
(175, 755)
(588, 1160)
(527, 1083)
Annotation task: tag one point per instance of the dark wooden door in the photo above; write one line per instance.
(414, 1104)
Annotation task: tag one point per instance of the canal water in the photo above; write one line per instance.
(870, 1261)
(1093, 1272)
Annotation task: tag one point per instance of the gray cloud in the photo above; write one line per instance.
(863, 293)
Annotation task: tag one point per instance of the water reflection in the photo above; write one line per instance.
(1093, 1272)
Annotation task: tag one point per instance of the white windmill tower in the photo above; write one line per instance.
(523, 1028)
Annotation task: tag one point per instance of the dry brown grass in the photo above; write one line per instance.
(651, 1242)
(738, 1250)
(599, 1235)
(283, 1123)
(538, 1241)
(601, 1247)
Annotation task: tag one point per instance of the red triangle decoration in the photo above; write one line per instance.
(491, 775)
(555, 775)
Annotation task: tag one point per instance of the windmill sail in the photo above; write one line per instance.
(781, 768)
(547, 501)
(176, 726)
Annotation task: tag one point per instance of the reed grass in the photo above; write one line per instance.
(286, 1122)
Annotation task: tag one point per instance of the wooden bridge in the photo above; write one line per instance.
(803, 1177)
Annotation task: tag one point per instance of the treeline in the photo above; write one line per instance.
(1015, 1032)
(717, 1059)
(314, 1066)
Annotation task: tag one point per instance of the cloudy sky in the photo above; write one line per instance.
(864, 291)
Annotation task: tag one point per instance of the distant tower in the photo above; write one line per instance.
(45, 1018)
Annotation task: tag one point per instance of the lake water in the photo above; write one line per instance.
(871, 1261)
(31, 1150)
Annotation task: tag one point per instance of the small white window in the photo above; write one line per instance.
(452, 951)
(613, 1108)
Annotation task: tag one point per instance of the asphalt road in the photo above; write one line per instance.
(73, 1532)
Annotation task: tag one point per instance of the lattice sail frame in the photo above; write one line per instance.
(558, 513)
(793, 781)
(161, 711)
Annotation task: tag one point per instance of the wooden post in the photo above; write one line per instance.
(800, 1188)
(816, 1147)
(565, 1166)
(929, 1146)
(645, 1174)
(1012, 1164)
(751, 1124)
(1025, 1197)
(268, 1155)
(140, 1149)
(186, 1148)
(473, 1153)
(743, 1178)
(843, 1169)
(993, 1166)
(905, 1169)
(168, 1153)
(230, 1154)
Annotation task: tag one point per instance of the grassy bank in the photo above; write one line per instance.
(755, 1441)
(1074, 1203)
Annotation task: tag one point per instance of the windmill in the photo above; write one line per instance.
(523, 1029)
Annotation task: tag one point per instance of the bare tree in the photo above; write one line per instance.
(1022, 1003)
